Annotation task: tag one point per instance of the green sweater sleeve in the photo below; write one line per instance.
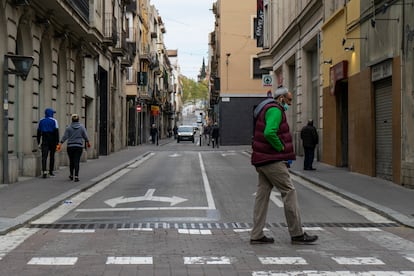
(273, 119)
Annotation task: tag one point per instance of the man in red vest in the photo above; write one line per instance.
(272, 149)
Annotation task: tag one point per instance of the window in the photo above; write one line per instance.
(257, 72)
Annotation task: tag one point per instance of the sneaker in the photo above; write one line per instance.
(262, 240)
(304, 239)
(44, 175)
(51, 174)
(71, 177)
(76, 179)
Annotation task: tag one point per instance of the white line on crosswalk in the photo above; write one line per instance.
(137, 229)
(358, 261)
(362, 229)
(53, 261)
(77, 231)
(194, 231)
(129, 260)
(283, 260)
(207, 260)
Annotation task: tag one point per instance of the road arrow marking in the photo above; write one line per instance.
(174, 155)
(174, 200)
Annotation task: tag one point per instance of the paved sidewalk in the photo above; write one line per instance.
(389, 199)
(28, 199)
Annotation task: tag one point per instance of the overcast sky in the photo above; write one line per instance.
(188, 24)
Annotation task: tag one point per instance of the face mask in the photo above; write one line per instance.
(285, 106)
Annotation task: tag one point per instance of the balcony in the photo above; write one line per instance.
(110, 33)
(145, 54)
(120, 49)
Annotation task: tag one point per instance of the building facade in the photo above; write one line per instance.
(350, 66)
(84, 54)
(234, 73)
(377, 89)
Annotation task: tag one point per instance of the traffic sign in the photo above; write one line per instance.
(267, 80)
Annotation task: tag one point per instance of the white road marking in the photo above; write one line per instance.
(141, 209)
(332, 273)
(411, 259)
(207, 260)
(361, 210)
(247, 230)
(53, 261)
(207, 188)
(282, 260)
(362, 229)
(63, 209)
(313, 229)
(174, 155)
(209, 194)
(129, 260)
(149, 196)
(358, 261)
(13, 239)
(136, 229)
(194, 231)
(77, 231)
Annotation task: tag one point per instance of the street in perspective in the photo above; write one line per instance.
(207, 138)
(186, 209)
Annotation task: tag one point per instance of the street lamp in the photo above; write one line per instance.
(22, 65)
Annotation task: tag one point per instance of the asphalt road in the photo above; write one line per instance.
(183, 209)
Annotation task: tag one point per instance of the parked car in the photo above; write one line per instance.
(185, 133)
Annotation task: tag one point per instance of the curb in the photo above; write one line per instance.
(384, 211)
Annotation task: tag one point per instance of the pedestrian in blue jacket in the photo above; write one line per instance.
(47, 139)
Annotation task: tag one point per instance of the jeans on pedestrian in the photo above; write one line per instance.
(309, 156)
(275, 175)
(74, 154)
(48, 149)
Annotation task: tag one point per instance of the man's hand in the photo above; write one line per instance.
(58, 147)
(88, 144)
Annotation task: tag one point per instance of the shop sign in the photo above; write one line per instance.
(337, 73)
(155, 110)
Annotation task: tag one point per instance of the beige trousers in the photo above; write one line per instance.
(275, 175)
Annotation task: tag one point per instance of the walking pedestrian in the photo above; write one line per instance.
(47, 139)
(207, 133)
(154, 134)
(310, 138)
(272, 149)
(215, 134)
(75, 134)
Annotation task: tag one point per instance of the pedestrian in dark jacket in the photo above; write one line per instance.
(47, 139)
(272, 149)
(154, 134)
(310, 138)
(215, 134)
(75, 134)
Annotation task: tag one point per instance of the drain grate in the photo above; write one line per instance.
(192, 225)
